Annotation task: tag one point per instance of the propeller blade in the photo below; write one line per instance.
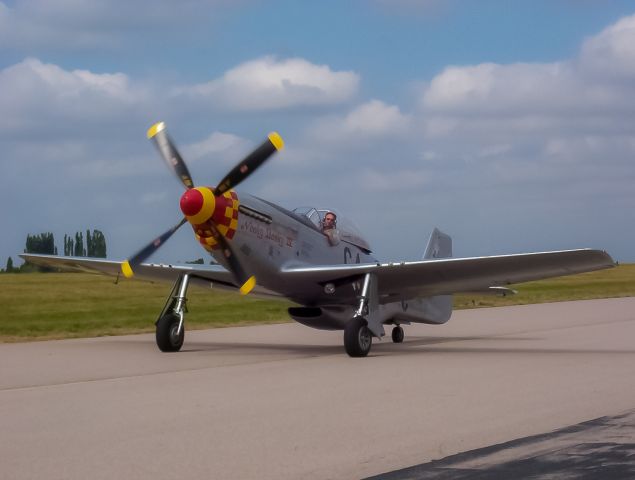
(250, 163)
(246, 282)
(145, 252)
(170, 154)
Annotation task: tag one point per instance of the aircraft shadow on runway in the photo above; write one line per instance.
(411, 346)
(315, 350)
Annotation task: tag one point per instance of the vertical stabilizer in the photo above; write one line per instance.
(437, 309)
(439, 245)
(433, 310)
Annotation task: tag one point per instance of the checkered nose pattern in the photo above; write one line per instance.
(207, 213)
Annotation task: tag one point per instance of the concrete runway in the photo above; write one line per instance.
(284, 401)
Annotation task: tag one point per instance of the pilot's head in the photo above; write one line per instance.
(329, 222)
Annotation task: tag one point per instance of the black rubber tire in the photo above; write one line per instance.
(167, 340)
(397, 334)
(357, 338)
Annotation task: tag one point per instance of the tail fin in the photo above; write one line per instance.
(439, 245)
(436, 309)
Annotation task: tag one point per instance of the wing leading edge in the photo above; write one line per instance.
(150, 272)
(425, 278)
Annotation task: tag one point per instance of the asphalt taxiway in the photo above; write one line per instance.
(284, 401)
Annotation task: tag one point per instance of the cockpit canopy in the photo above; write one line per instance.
(347, 230)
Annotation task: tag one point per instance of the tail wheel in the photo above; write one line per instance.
(357, 338)
(397, 334)
(168, 340)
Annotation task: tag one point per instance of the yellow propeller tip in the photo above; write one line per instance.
(154, 129)
(248, 286)
(126, 270)
(276, 140)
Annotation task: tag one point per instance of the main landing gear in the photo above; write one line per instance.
(170, 331)
(357, 337)
(366, 322)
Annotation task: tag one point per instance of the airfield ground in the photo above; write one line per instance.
(70, 305)
(285, 402)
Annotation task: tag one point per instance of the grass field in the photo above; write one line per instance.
(65, 305)
(612, 283)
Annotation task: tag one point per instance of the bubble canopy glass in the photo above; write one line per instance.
(347, 229)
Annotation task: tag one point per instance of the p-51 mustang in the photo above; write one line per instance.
(316, 259)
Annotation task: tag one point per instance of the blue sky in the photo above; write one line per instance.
(509, 125)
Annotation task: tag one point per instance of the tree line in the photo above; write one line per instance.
(44, 243)
(95, 245)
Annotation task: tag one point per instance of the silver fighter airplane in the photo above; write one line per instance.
(317, 259)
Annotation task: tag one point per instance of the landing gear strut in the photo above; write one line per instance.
(359, 331)
(170, 331)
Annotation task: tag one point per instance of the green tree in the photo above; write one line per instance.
(9, 268)
(98, 242)
(66, 251)
(42, 243)
(79, 245)
(89, 245)
(95, 244)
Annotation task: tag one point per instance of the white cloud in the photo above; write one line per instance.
(586, 93)
(226, 147)
(37, 95)
(539, 111)
(268, 84)
(373, 120)
(612, 51)
(491, 88)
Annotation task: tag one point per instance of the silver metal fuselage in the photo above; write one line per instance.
(288, 240)
(270, 238)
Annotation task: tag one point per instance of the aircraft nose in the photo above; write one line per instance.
(198, 205)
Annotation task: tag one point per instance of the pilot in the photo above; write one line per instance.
(329, 222)
(329, 228)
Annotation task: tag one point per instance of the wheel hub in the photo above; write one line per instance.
(174, 336)
(365, 338)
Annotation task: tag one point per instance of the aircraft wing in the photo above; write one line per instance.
(215, 274)
(405, 280)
